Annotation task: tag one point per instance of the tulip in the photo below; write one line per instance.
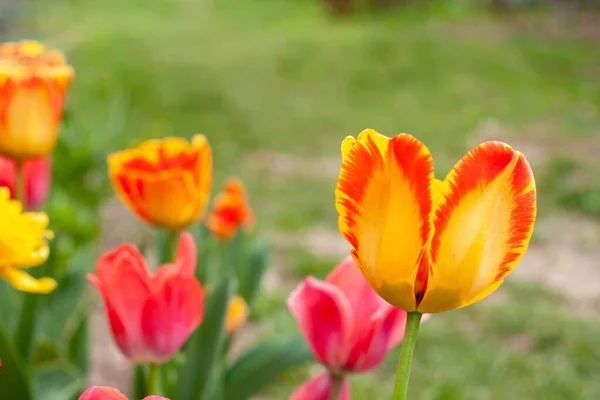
(237, 314)
(23, 244)
(109, 393)
(230, 211)
(33, 86)
(428, 245)
(320, 388)
(348, 327)
(37, 173)
(151, 316)
(165, 182)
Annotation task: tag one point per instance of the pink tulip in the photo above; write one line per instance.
(108, 393)
(151, 316)
(37, 173)
(348, 327)
(319, 388)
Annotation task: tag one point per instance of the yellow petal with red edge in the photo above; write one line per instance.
(24, 282)
(384, 201)
(482, 227)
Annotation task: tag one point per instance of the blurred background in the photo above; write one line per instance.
(276, 85)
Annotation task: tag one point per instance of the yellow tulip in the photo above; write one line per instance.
(22, 244)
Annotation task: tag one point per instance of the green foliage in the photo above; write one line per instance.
(205, 347)
(15, 382)
(262, 364)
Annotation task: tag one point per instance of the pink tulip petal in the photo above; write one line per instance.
(186, 254)
(172, 315)
(350, 280)
(38, 179)
(370, 351)
(324, 317)
(102, 393)
(319, 388)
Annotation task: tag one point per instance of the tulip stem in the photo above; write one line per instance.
(20, 184)
(336, 386)
(411, 330)
(153, 380)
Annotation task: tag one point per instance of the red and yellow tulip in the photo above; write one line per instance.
(33, 86)
(23, 244)
(427, 245)
(230, 211)
(165, 182)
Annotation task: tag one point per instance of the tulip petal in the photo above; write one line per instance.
(237, 314)
(364, 302)
(21, 280)
(319, 388)
(172, 315)
(324, 317)
(482, 227)
(384, 201)
(186, 254)
(102, 393)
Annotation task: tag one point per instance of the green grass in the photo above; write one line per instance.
(281, 76)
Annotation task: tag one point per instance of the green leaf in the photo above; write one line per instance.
(231, 252)
(262, 364)
(250, 274)
(45, 352)
(202, 236)
(14, 381)
(204, 347)
(77, 346)
(57, 382)
(10, 304)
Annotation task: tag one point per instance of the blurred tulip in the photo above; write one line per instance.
(165, 182)
(37, 174)
(33, 86)
(230, 211)
(427, 245)
(23, 244)
(237, 314)
(109, 393)
(347, 325)
(319, 388)
(151, 316)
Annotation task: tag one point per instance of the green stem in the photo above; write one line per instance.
(27, 318)
(413, 321)
(20, 193)
(153, 380)
(336, 386)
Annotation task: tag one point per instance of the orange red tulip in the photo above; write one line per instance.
(230, 211)
(37, 174)
(428, 245)
(151, 315)
(165, 182)
(109, 393)
(33, 86)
